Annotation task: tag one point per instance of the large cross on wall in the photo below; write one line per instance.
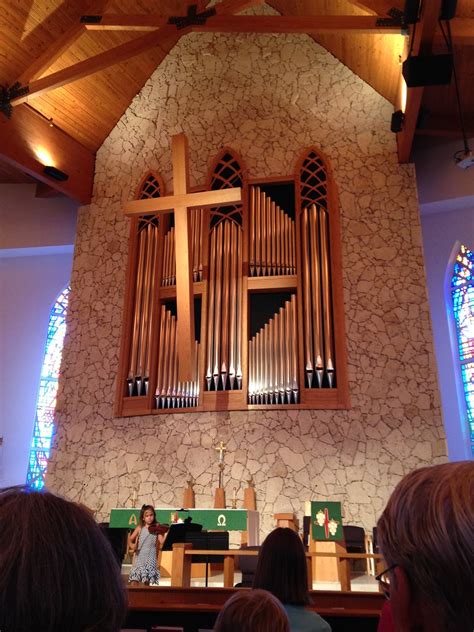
(180, 202)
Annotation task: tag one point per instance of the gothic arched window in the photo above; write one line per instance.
(45, 407)
(462, 294)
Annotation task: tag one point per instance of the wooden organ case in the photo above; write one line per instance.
(268, 305)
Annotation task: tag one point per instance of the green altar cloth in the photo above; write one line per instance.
(211, 519)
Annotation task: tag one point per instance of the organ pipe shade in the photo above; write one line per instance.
(272, 248)
(318, 340)
(141, 343)
(273, 373)
(224, 314)
(170, 392)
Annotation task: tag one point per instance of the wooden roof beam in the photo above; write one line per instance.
(58, 47)
(29, 143)
(253, 24)
(422, 45)
(164, 38)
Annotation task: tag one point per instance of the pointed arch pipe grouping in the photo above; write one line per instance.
(272, 237)
(170, 392)
(273, 371)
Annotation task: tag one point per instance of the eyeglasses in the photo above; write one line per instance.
(384, 580)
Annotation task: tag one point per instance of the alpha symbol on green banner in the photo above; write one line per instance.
(221, 521)
(133, 520)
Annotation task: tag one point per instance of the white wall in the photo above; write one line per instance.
(36, 237)
(446, 195)
(442, 234)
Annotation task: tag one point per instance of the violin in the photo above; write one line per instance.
(158, 529)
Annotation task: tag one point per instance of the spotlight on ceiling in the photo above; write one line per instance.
(55, 173)
(398, 119)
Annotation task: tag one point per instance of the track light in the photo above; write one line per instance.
(55, 173)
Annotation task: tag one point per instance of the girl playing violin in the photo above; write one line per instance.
(145, 541)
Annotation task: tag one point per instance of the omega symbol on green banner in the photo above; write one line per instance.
(221, 522)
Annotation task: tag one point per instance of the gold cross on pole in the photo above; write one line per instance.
(221, 449)
(180, 202)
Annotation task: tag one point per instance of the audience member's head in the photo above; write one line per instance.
(252, 611)
(426, 535)
(58, 571)
(281, 567)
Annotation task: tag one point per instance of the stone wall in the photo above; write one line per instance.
(268, 97)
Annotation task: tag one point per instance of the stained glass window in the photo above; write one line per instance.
(462, 293)
(44, 419)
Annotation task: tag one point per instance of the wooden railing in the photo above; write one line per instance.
(183, 553)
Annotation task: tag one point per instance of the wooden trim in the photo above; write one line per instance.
(327, 603)
(310, 24)
(169, 291)
(133, 406)
(125, 339)
(270, 180)
(128, 22)
(271, 284)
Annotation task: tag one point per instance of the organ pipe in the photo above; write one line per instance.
(170, 392)
(141, 341)
(317, 306)
(272, 236)
(272, 359)
(224, 325)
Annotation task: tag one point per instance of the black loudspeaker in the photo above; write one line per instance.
(411, 11)
(448, 9)
(431, 70)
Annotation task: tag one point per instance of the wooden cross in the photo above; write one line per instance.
(180, 202)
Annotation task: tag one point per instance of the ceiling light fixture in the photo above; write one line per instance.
(55, 173)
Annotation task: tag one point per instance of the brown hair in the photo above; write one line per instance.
(427, 529)
(252, 611)
(58, 571)
(142, 514)
(281, 567)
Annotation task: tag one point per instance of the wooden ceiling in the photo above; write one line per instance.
(78, 89)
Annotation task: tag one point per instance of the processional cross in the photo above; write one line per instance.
(180, 202)
(221, 449)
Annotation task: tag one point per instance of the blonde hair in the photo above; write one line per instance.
(427, 528)
(252, 611)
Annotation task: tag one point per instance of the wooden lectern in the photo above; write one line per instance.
(288, 520)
